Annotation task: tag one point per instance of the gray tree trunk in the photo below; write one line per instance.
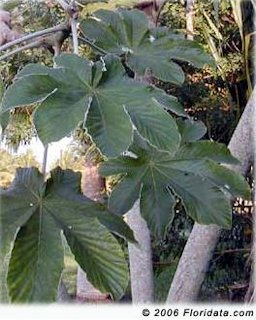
(63, 295)
(189, 19)
(197, 253)
(140, 257)
(152, 9)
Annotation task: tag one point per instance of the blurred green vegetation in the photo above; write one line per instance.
(9, 163)
(216, 95)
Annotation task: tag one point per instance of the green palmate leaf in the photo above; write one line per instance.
(21, 194)
(102, 96)
(4, 120)
(170, 103)
(191, 174)
(4, 116)
(41, 210)
(191, 130)
(36, 89)
(17, 204)
(90, 241)
(66, 186)
(92, 244)
(206, 149)
(1, 88)
(180, 48)
(152, 123)
(156, 198)
(37, 260)
(95, 248)
(126, 33)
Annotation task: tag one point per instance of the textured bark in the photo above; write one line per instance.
(189, 19)
(140, 257)
(198, 251)
(7, 34)
(92, 186)
(63, 295)
(152, 9)
(250, 296)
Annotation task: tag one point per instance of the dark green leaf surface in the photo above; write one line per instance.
(191, 173)
(191, 130)
(155, 125)
(37, 260)
(99, 254)
(99, 94)
(4, 119)
(41, 210)
(95, 249)
(64, 185)
(4, 116)
(18, 203)
(16, 207)
(206, 149)
(127, 33)
(2, 88)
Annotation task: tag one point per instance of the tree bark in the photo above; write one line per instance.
(198, 250)
(92, 186)
(152, 9)
(63, 295)
(189, 19)
(140, 257)
(7, 34)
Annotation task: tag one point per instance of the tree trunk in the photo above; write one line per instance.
(152, 9)
(92, 186)
(197, 253)
(63, 295)
(250, 296)
(189, 19)
(7, 34)
(140, 257)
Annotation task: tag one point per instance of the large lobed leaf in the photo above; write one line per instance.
(99, 94)
(126, 33)
(192, 173)
(37, 260)
(4, 116)
(191, 130)
(37, 211)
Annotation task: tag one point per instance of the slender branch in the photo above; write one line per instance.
(54, 29)
(72, 10)
(59, 27)
(64, 4)
(31, 45)
(162, 263)
(94, 46)
(74, 35)
(162, 4)
(45, 160)
(232, 251)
